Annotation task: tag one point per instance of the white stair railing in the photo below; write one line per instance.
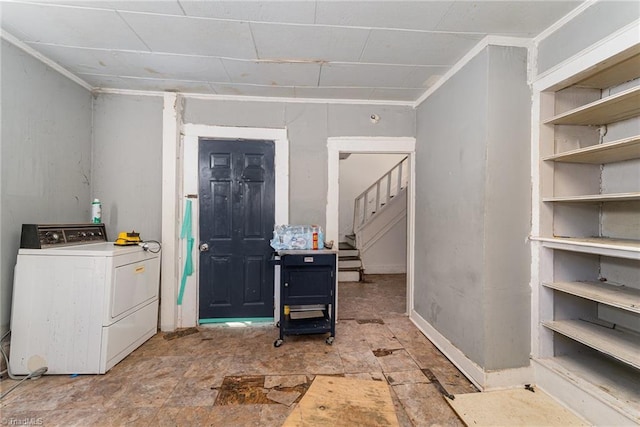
(380, 193)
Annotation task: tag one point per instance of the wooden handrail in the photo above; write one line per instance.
(361, 203)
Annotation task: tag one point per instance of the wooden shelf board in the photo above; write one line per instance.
(613, 71)
(622, 346)
(591, 198)
(614, 108)
(610, 152)
(624, 71)
(607, 380)
(622, 297)
(618, 248)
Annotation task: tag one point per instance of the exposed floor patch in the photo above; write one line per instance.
(258, 389)
(365, 321)
(180, 333)
(381, 352)
(243, 391)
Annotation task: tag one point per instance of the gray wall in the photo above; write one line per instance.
(127, 163)
(589, 27)
(308, 127)
(473, 199)
(507, 219)
(46, 154)
(449, 234)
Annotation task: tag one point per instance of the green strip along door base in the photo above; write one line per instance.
(236, 320)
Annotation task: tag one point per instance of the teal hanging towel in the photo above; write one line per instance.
(185, 233)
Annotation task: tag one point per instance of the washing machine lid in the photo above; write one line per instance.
(107, 249)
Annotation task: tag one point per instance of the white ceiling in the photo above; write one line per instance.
(366, 50)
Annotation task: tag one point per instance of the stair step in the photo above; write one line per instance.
(345, 245)
(348, 276)
(352, 263)
(351, 242)
(346, 253)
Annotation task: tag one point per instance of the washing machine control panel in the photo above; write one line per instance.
(39, 236)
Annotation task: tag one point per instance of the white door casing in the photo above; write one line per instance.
(380, 145)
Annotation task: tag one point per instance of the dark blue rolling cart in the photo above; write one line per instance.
(307, 282)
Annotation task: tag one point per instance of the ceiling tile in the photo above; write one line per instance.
(313, 43)
(69, 26)
(136, 64)
(184, 35)
(365, 50)
(301, 12)
(523, 18)
(417, 48)
(373, 75)
(333, 92)
(128, 83)
(251, 90)
(274, 74)
(417, 15)
(169, 7)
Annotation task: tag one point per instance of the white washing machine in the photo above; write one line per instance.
(80, 304)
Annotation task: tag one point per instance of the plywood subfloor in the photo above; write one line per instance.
(339, 401)
(514, 407)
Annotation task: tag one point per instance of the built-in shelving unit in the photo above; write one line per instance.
(588, 300)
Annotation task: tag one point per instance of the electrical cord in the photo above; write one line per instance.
(145, 246)
(35, 374)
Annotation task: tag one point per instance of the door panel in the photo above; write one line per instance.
(219, 267)
(237, 214)
(221, 227)
(254, 267)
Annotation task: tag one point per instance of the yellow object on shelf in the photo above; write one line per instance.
(126, 238)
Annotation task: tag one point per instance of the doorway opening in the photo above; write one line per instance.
(372, 145)
(372, 215)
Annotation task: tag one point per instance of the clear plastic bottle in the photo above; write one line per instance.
(96, 211)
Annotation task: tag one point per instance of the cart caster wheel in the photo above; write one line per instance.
(277, 343)
(330, 340)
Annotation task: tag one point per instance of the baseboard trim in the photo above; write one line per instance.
(469, 368)
(484, 380)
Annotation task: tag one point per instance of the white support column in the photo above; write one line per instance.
(171, 118)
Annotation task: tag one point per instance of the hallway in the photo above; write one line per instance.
(233, 376)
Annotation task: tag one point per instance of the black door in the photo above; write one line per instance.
(236, 217)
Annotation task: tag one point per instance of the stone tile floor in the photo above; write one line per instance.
(197, 379)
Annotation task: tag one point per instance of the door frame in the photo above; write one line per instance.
(371, 145)
(183, 150)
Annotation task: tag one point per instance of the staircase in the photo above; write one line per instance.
(349, 263)
(376, 210)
